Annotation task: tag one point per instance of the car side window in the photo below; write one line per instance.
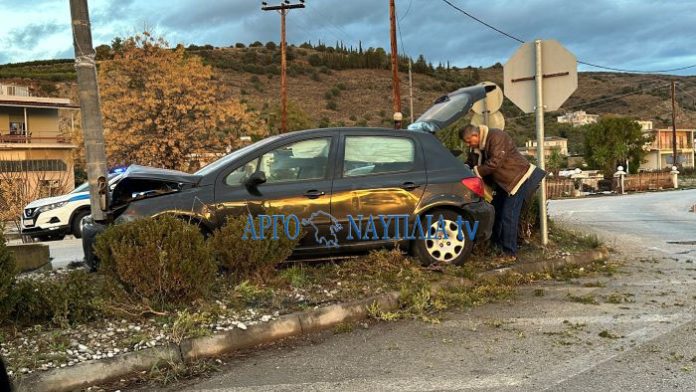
(241, 173)
(303, 160)
(366, 155)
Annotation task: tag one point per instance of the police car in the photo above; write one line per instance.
(53, 218)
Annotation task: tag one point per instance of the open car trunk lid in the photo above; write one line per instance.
(142, 182)
(449, 108)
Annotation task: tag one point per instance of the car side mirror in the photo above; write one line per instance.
(256, 178)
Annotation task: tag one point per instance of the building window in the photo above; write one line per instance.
(35, 165)
(18, 128)
(50, 188)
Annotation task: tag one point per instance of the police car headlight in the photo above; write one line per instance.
(52, 206)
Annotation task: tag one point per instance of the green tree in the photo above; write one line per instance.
(297, 119)
(556, 161)
(612, 141)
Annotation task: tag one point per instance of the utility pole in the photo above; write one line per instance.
(539, 88)
(674, 125)
(394, 61)
(88, 90)
(283, 10)
(410, 89)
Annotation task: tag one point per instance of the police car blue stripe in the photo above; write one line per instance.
(79, 197)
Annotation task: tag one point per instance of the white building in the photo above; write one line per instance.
(578, 118)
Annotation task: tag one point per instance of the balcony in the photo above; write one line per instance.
(24, 139)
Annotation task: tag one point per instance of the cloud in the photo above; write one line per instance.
(641, 34)
(29, 36)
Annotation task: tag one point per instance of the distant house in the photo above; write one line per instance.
(30, 139)
(551, 143)
(578, 118)
(660, 151)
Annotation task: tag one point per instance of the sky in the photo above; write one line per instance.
(642, 35)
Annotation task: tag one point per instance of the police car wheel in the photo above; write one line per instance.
(76, 224)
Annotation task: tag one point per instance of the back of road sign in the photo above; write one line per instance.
(559, 68)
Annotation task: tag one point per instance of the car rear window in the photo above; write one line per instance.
(369, 155)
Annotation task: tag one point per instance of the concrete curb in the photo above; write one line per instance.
(580, 259)
(98, 371)
(296, 324)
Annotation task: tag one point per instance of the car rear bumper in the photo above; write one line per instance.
(484, 213)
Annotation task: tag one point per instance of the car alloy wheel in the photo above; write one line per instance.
(445, 249)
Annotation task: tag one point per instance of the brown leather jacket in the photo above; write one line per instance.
(499, 159)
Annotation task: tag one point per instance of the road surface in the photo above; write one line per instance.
(62, 252)
(640, 336)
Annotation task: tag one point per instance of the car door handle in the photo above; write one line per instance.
(313, 194)
(409, 186)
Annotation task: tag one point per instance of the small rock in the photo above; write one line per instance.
(82, 348)
(241, 325)
(265, 318)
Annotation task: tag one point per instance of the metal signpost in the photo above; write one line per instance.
(553, 69)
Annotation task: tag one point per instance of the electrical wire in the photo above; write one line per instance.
(654, 86)
(579, 61)
(408, 9)
(398, 28)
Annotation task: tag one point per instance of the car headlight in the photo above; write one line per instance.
(52, 206)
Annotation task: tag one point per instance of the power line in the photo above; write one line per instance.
(655, 86)
(482, 22)
(398, 28)
(408, 9)
(579, 61)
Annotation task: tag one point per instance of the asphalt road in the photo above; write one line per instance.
(62, 252)
(640, 336)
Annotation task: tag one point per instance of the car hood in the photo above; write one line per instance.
(58, 199)
(449, 108)
(142, 182)
(154, 173)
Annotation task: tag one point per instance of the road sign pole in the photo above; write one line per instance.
(538, 79)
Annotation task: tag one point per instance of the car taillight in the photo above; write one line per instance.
(475, 184)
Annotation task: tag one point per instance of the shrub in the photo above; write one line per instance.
(63, 300)
(332, 105)
(341, 86)
(250, 259)
(8, 274)
(163, 259)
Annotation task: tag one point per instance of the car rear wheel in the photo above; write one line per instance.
(441, 249)
(76, 224)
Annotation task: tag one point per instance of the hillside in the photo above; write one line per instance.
(338, 86)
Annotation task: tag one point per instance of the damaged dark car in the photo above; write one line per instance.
(326, 176)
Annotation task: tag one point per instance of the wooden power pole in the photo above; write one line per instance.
(283, 10)
(674, 125)
(394, 60)
(93, 131)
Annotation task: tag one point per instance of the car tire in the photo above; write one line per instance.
(76, 224)
(450, 251)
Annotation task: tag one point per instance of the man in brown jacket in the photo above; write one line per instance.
(494, 157)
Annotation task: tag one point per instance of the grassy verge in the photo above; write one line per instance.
(120, 324)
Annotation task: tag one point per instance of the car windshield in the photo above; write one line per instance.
(222, 162)
(84, 187)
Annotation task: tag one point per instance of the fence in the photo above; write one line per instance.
(645, 181)
(557, 188)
